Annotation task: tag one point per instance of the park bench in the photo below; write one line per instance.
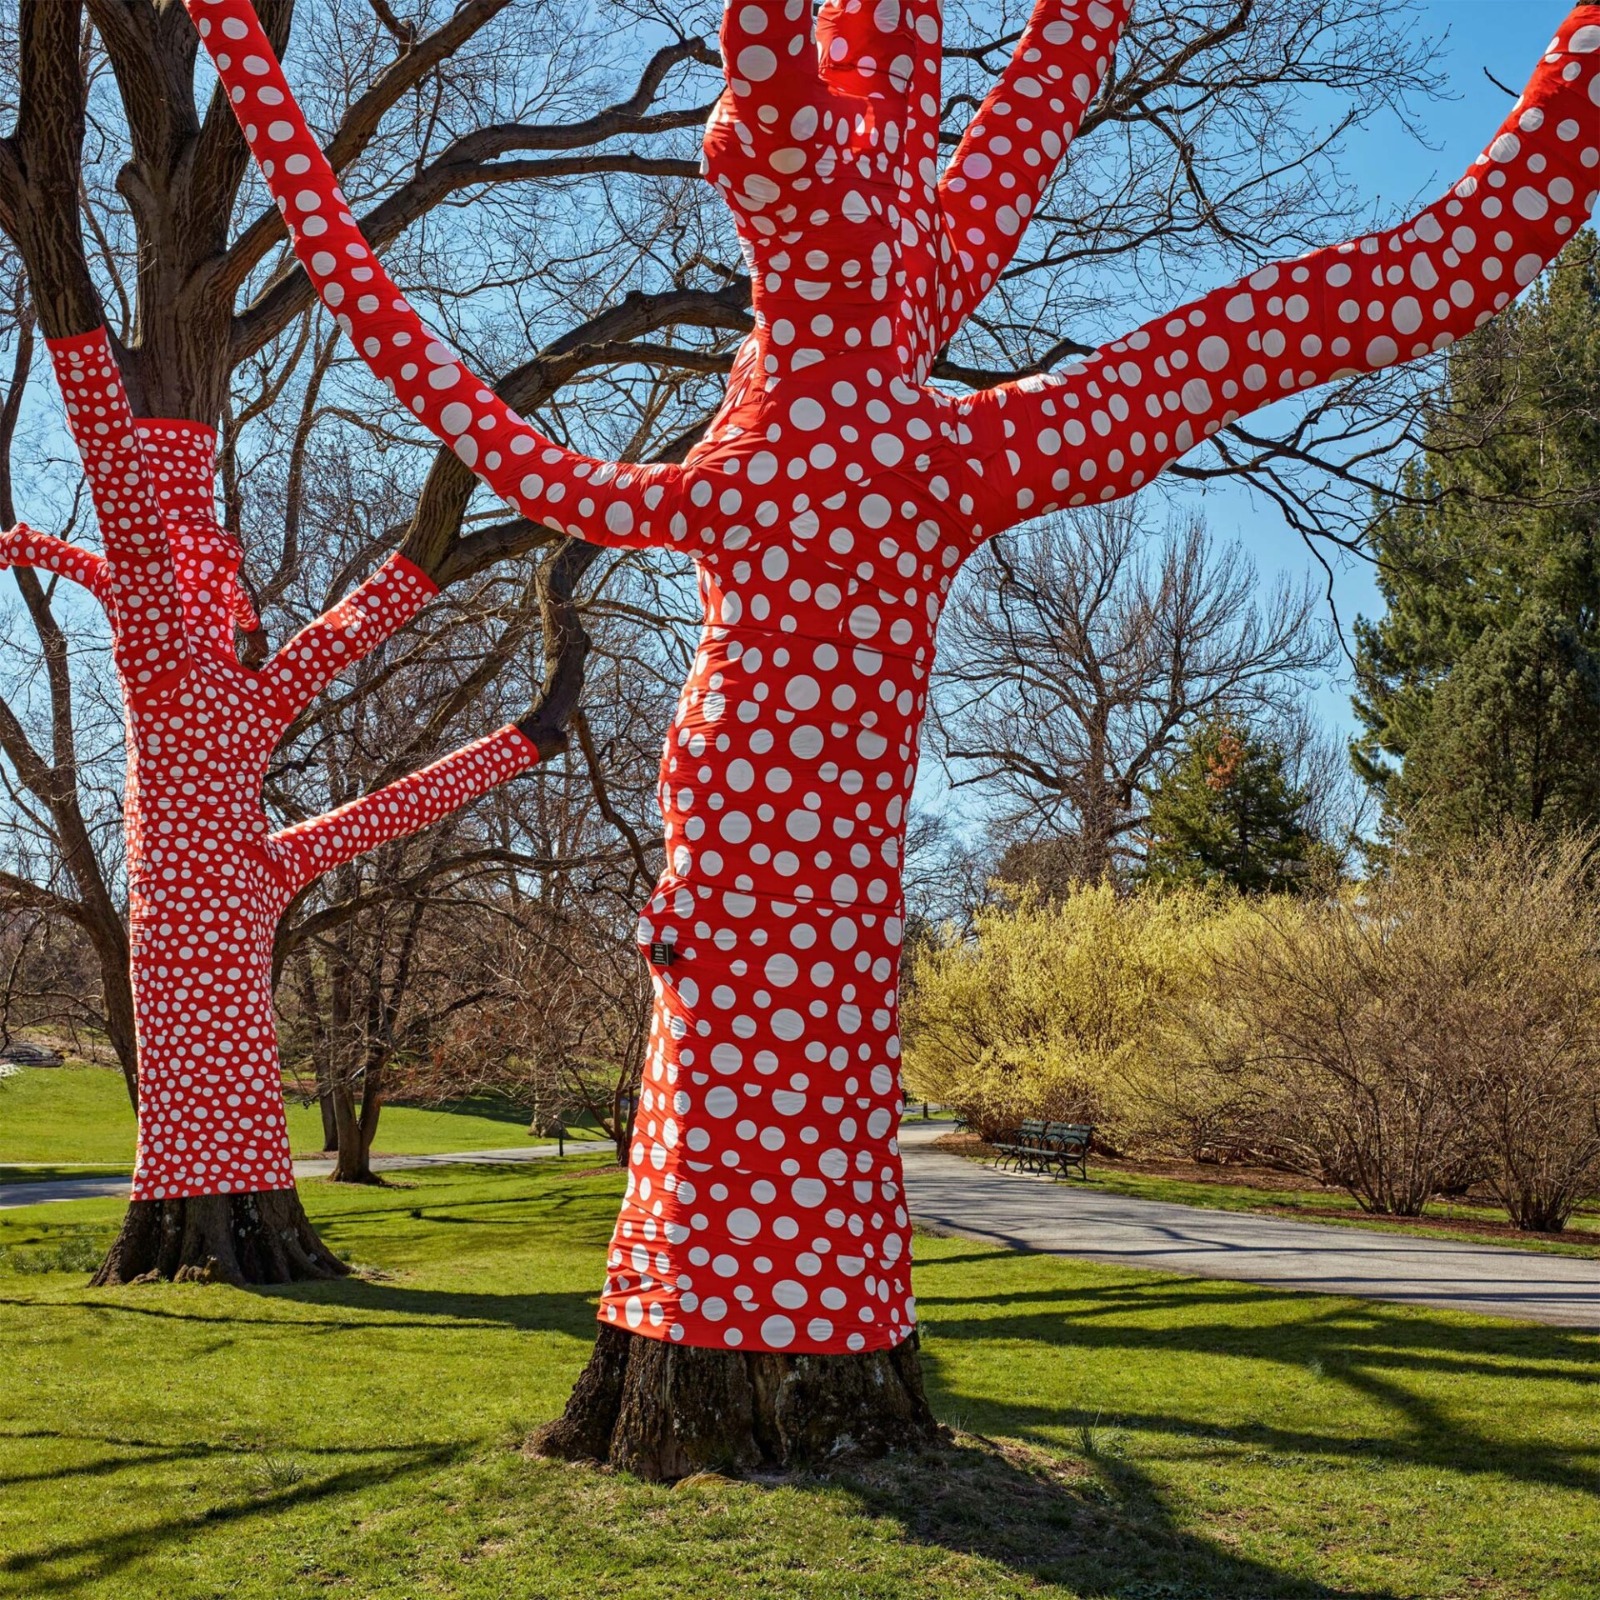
(1060, 1148)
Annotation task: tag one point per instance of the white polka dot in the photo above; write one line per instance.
(777, 1332)
(757, 63)
(1530, 203)
(802, 692)
(1407, 314)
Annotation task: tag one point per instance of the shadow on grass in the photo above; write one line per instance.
(548, 1200)
(143, 1452)
(372, 1305)
(391, 1305)
(136, 1452)
(1369, 1354)
(281, 1485)
(1097, 1528)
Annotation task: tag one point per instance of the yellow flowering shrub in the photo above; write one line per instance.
(1051, 1009)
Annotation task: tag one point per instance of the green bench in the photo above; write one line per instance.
(1055, 1148)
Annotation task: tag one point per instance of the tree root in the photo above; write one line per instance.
(364, 1176)
(218, 1238)
(665, 1411)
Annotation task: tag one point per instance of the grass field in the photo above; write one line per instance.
(79, 1116)
(1128, 1435)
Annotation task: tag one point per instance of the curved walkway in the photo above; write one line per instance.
(962, 1197)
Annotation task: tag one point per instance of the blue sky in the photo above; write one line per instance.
(1392, 169)
(1395, 173)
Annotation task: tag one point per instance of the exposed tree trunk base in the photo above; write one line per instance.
(665, 1411)
(218, 1238)
(362, 1174)
(1542, 1220)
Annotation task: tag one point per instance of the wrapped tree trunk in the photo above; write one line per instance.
(213, 1188)
(200, 722)
(758, 1304)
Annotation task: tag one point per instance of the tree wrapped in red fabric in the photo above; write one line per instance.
(758, 1302)
(213, 1190)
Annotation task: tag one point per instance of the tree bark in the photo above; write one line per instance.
(110, 941)
(321, 1053)
(243, 1238)
(664, 1410)
(330, 1117)
(355, 1130)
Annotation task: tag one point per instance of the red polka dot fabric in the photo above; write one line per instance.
(208, 879)
(1105, 425)
(23, 546)
(303, 853)
(827, 509)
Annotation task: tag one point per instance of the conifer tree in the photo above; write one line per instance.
(1479, 686)
(1226, 811)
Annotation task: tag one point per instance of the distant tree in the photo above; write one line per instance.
(1076, 656)
(1228, 811)
(1479, 687)
(1051, 867)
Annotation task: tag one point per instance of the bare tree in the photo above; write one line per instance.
(564, 1031)
(46, 968)
(495, 953)
(123, 190)
(565, 130)
(1076, 653)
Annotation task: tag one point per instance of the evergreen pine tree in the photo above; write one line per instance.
(1479, 687)
(1226, 812)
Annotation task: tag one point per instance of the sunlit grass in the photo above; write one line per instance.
(1149, 1436)
(72, 1121)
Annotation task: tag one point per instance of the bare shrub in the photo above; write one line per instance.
(1441, 1027)
(1530, 1063)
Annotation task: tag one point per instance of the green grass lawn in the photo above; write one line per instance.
(1127, 1435)
(1582, 1237)
(80, 1116)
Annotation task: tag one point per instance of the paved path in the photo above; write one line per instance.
(45, 1190)
(962, 1197)
(1024, 1213)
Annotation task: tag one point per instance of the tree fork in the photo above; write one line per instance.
(664, 1410)
(262, 1238)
